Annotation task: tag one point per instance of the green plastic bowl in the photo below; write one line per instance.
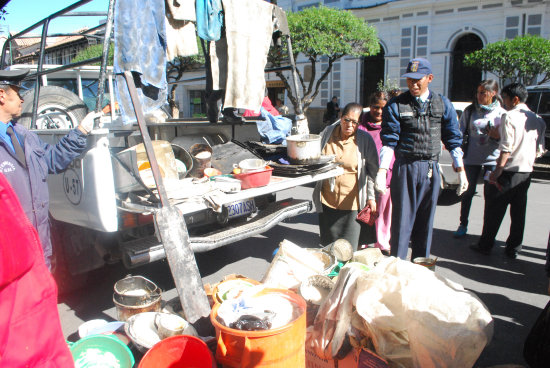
(103, 351)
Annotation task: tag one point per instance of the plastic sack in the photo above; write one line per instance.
(291, 266)
(333, 320)
(416, 318)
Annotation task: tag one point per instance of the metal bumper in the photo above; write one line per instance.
(142, 251)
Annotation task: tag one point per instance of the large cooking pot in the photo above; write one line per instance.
(303, 148)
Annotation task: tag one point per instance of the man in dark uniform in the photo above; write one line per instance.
(414, 123)
(333, 110)
(26, 161)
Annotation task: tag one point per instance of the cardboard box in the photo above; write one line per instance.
(357, 358)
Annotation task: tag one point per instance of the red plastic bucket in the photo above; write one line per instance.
(180, 351)
(282, 347)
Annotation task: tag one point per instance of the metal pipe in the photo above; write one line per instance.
(105, 54)
(146, 139)
(39, 69)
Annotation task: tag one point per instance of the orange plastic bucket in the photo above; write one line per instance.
(282, 347)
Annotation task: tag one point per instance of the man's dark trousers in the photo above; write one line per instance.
(513, 193)
(414, 199)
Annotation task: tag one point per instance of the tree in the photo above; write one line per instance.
(94, 51)
(174, 72)
(322, 31)
(521, 59)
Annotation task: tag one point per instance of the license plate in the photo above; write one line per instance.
(240, 208)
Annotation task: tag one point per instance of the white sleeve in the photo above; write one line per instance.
(386, 154)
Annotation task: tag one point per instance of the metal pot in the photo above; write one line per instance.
(303, 148)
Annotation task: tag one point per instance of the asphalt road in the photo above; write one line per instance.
(515, 291)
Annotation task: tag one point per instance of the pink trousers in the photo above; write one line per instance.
(383, 223)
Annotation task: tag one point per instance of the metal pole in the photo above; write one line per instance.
(38, 70)
(175, 238)
(146, 139)
(105, 54)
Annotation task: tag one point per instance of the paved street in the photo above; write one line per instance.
(513, 290)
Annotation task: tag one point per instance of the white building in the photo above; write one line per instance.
(441, 31)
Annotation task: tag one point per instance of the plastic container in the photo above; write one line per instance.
(231, 289)
(101, 350)
(282, 347)
(178, 352)
(255, 179)
(135, 159)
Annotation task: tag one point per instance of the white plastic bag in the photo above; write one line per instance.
(416, 318)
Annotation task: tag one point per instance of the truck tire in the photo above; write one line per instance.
(58, 108)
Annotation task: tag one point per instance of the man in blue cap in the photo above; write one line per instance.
(414, 123)
(26, 161)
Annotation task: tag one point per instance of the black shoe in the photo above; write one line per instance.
(385, 252)
(511, 254)
(478, 249)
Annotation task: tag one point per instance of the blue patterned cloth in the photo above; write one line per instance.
(140, 47)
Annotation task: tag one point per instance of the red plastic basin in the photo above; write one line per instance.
(254, 179)
(181, 351)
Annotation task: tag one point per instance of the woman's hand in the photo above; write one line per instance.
(371, 203)
(494, 133)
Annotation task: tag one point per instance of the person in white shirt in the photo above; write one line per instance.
(521, 142)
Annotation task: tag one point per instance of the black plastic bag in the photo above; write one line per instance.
(536, 349)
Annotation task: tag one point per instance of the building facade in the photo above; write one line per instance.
(441, 31)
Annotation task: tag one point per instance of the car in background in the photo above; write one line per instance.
(538, 101)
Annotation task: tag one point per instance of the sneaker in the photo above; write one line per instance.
(478, 249)
(460, 232)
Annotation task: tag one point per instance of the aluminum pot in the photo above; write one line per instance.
(303, 148)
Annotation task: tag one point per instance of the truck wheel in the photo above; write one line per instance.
(58, 108)
(66, 282)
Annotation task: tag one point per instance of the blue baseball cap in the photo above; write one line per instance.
(418, 68)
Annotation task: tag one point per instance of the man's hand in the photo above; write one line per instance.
(380, 181)
(87, 124)
(462, 182)
(495, 175)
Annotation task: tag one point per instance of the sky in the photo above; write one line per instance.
(24, 13)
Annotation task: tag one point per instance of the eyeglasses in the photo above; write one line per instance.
(349, 121)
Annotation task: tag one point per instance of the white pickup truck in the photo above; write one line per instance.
(94, 223)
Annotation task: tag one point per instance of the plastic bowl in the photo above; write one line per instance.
(255, 179)
(102, 350)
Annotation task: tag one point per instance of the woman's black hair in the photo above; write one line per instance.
(377, 96)
(490, 85)
(352, 106)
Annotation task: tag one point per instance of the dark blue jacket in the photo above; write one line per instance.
(391, 123)
(30, 184)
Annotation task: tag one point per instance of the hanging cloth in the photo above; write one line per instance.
(209, 19)
(140, 47)
(238, 59)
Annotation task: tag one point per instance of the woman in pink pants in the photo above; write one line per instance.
(371, 122)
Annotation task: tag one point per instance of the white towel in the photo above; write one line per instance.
(180, 38)
(181, 9)
(248, 30)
